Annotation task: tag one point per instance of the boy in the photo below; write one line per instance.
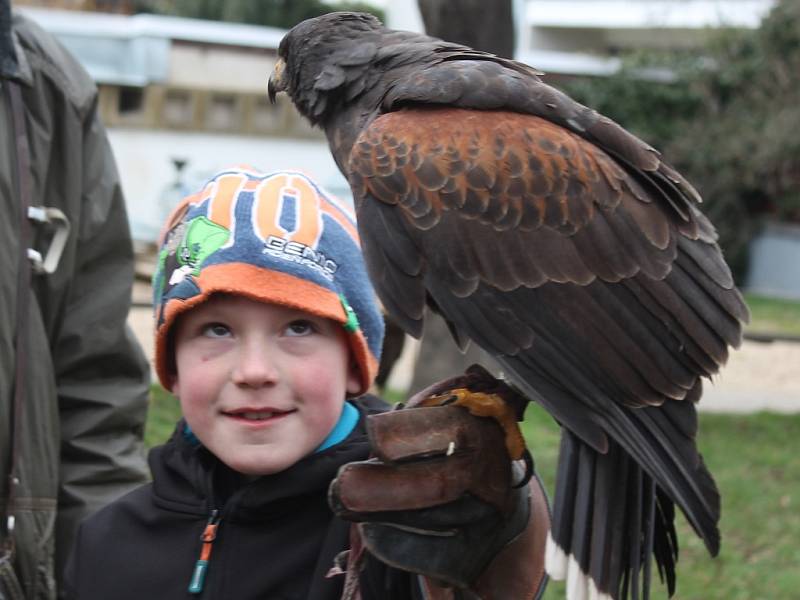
(266, 325)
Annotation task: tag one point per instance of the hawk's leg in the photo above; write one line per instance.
(481, 404)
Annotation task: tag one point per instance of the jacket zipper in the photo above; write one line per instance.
(201, 566)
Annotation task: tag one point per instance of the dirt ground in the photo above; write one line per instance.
(758, 376)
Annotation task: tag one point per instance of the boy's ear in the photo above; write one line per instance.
(353, 378)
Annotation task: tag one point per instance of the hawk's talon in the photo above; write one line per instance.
(526, 476)
(483, 404)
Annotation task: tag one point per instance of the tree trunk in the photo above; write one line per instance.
(439, 357)
(464, 22)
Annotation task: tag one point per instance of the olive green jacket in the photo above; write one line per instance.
(87, 379)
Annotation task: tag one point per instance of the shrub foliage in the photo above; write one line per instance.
(727, 117)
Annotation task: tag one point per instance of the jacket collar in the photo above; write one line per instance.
(188, 478)
(13, 59)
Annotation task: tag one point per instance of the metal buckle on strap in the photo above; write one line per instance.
(11, 522)
(59, 222)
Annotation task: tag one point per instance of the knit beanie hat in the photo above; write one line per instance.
(276, 238)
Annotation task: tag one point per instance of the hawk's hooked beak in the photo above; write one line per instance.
(276, 83)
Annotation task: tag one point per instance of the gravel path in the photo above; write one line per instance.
(758, 376)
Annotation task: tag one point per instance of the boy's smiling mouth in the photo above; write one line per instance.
(253, 414)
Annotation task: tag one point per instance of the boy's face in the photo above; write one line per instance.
(261, 385)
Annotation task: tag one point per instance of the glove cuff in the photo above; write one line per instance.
(518, 569)
(455, 556)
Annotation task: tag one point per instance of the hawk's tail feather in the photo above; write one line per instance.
(609, 518)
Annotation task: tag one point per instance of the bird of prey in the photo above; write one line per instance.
(558, 242)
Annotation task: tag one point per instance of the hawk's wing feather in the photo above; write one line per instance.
(594, 292)
(451, 78)
(519, 202)
(457, 78)
(395, 266)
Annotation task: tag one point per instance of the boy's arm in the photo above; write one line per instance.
(438, 500)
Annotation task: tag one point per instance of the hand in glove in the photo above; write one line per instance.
(438, 498)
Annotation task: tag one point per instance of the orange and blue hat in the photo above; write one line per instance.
(272, 237)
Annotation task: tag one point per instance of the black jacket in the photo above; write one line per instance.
(276, 536)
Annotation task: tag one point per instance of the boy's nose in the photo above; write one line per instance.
(254, 367)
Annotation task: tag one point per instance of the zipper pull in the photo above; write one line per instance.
(201, 566)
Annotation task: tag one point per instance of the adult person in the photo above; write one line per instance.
(73, 380)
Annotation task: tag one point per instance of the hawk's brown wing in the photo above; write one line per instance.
(536, 228)
(589, 286)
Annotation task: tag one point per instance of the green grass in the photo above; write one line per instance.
(773, 315)
(164, 413)
(757, 468)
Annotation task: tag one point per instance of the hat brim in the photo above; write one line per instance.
(273, 287)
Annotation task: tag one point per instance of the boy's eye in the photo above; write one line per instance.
(216, 330)
(300, 327)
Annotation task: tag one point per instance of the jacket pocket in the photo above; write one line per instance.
(32, 570)
(10, 588)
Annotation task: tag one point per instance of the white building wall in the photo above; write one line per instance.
(646, 14)
(774, 268)
(144, 157)
(219, 68)
(404, 15)
(578, 36)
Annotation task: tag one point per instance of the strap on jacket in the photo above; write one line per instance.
(22, 189)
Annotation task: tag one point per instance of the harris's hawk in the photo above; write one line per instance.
(558, 242)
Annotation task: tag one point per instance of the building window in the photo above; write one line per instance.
(265, 116)
(130, 100)
(178, 108)
(223, 113)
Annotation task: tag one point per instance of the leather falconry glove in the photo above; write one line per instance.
(438, 498)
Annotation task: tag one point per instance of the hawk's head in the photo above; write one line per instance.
(322, 61)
